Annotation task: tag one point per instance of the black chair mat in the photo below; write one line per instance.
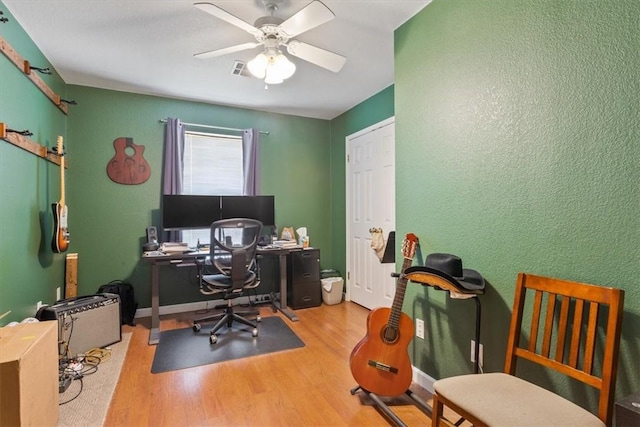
(184, 348)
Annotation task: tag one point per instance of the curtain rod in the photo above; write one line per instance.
(263, 132)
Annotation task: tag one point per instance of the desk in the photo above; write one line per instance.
(282, 254)
(159, 259)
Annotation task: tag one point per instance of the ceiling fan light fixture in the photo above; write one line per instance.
(274, 67)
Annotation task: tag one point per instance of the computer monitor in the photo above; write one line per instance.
(183, 211)
(261, 208)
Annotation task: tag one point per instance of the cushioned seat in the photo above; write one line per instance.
(500, 399)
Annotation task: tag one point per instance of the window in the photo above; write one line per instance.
(212, 166)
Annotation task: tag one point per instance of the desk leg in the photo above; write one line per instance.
(283, 290)
(154, 334)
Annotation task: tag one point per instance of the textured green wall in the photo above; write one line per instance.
(108, 220)
(29, 271)
(518, 149)
(369, 112)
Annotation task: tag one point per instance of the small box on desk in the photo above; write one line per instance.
(29, 374)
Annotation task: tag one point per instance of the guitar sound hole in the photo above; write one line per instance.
(129, 151)
(389, 335)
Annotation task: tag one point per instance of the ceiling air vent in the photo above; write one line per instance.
(239, 69)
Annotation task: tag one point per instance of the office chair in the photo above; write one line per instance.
(579, 322)
(233, 253)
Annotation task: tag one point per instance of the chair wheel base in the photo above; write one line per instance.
(196, 327)
(254, 333)
(213, 338)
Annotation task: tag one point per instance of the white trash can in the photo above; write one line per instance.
(332, 290)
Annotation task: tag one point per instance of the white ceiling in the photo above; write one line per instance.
(147, 46)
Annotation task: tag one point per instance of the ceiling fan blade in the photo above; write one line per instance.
(321, 57)
(214, 10)
(226, 50)
(312, 15)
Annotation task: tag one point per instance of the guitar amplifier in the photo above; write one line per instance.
(85, 323)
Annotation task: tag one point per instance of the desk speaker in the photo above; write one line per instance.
(85, 323)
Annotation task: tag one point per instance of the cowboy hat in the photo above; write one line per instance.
(445, 271)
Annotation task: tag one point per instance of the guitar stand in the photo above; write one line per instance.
(384, 408)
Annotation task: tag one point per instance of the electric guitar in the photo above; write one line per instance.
(380, 361)
(60, 241)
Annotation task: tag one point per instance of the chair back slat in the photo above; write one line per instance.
(592, 356)
(563, 320)
(535, 321)
(574, 349)
(548, 325)
(590, 342)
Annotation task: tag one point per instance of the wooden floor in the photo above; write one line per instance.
(308, 386)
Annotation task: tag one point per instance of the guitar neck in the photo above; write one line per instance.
(61, 180)
(401, 287)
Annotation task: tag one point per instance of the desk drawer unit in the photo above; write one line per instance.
(303, 281)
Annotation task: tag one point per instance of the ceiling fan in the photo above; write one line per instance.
(273, 33)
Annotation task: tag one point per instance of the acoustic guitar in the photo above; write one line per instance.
(128, 166)
(380, 362)
(60, 241)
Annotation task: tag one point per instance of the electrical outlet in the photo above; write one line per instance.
(58, 294)
(420, 328)
(473, 353)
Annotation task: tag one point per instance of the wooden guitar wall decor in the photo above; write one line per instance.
(380, 361)
(128, 166)
(60, 241)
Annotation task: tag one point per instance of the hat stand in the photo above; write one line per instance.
(423, 279)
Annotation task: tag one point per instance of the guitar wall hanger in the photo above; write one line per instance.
(55, 151)
(24, 66)
(28, 67)
(20, 139)
(25, 132)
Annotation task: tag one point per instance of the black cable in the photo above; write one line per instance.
(79, 378)
(89, 361)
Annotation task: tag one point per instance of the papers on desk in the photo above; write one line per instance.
(174, 247)
(285, 244)
(152, 253)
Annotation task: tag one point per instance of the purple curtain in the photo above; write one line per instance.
(251, 162)
(173, 166)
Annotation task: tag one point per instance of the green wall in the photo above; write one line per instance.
(518, 149)
(29, 271)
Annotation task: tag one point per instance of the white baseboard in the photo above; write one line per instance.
(423, 380)
(186, 307)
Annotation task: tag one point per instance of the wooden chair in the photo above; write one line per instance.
(564, 307)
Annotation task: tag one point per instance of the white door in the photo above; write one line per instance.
(370, 192)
